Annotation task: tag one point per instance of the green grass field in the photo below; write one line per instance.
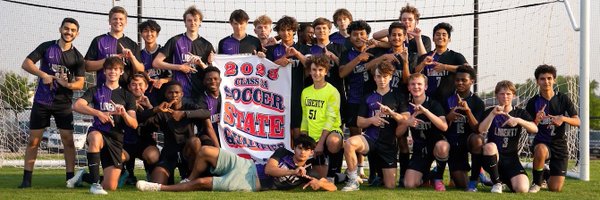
(49, 184)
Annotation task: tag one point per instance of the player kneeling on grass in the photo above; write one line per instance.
(551, 110)
(321, 115)
(113, 109)
(284, 170)
(379, 114)
(464, 110)
(427, 124)
(503, 124)
(176, 119)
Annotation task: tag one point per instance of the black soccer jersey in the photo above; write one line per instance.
(176, 52)
(214, 107)
(441, 84)
(413, 53)
(426, 132)
(333, 76)
(356, 81)
(274, 52)
(559, 104)
(153, 73)
(506, 137)
(249, 44)
(55, 60)
(100, 97)
(104, 46)
(459, 130)
(177, 132)
(396, 101)
(396, 81)
(286, 161)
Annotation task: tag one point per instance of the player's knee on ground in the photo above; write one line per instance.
(490, 149)
(412, 180)
(334, 143)
(520, 183)
(151, 155)
(441, 150)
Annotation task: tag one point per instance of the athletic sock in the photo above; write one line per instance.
(538, 176)
(70, 175)
(352, 175)
(441, 167)
(94, 166)
(335, 163)
(491, 165)
(27, 176)
(404, 160)
(148, 168)
(476, 168)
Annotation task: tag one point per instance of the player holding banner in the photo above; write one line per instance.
(61, 71)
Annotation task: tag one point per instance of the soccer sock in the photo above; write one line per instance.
(352, 175)
(130, 165)
(94, 166)
(476, 168)
(335, 163)
(491, 164)
(149, 168)
(404, 160)
(27, 176)
(441, 167)
(538, 176)
(70, 175)
(359, 169)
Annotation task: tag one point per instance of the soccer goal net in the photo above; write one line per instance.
(513, 38)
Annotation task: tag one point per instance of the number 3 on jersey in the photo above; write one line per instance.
(312, 114)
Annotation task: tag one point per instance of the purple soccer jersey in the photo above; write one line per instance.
(54, 60)
(230, 45)
(105, 46)
(177, 51)
(337, 38)
(356, 80)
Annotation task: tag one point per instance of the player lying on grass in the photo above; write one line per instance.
(284, 170)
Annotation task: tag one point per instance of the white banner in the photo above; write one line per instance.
(255, 119)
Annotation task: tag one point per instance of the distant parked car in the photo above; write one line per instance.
(595, 143)
(80, 130)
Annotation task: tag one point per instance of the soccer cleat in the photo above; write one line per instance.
(485, 180)
(544, 185)
(439, 185)
(122, 178)
(25, 185)
(96, 188)
(497, 188)
(146, 186)
(131, 180)
(534, 188)
(185, 180)
(76, 179)
(351, 185)
(472, 186)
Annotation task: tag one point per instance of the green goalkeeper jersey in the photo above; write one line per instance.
(320, 110)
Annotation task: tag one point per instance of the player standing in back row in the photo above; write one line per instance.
(61, 71)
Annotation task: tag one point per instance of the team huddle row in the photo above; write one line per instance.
(384, 89)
